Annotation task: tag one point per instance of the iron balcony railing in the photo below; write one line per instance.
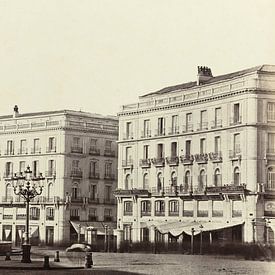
(235, 154)
(235, 120)
(50, 173)
(187, 159)
(127, 163)
(158, 162)
(145, 163)
(216, 124)
(23, 151)
(202, 126)
(36, 150)
(187, 128)
(7, 217)
(92, 218)
(127, 136)
(109, 176)
(174, 130)
(145, 134)
(94, 151)
(201, 158)
(51, 149)
(172, 161)
(94, 175)
(270, 185)
(9, 152)
(76, 173)
(77, 149)
(160, 132)
(215, 156)
(109, 153)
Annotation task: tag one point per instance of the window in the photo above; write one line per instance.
(146, 181)
(50, 190)
(174, 149)
(161, 126)
(237, 208)
(174, 179)
(189, 125)
(129, 155)
(74, 214)
(145, 151)
(218, 117)
(173, 208)
(108, 169)
(236, 176)
(128, 182)
(145, 208)
(217, 177)
(35, 168)
(217, 209)
(23, 146)
(160, 151)
(49, 213)
(202, 209)
(175, 127)
(159, 208)
(75, 194)
(188, 208)
(271, 111)
(187, 181)
(34, 213)
(203, 122)
(22, 165)
(188, 147)
(202, 146)
(75, 164)
(271, 143)
(92, 214)
(52, 144)
(146, 128)
(108, 192)
(127, 232)
(94, 169)
(236, 113)
(93, 143)
(144, 234)
(159, 182)
(236, 145)
(202, 180)
(36, 145)
(76, 141)
(128, 208)
(217, 145)
(92, 192)
(9, 169)
(51, 167)
(9, 191)
(129, 130)
(270, 178)
(10, 147)
(107, 214)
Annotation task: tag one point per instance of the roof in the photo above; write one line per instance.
(188, 85)
(62, 112)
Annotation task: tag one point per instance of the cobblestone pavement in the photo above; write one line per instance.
(132, 263)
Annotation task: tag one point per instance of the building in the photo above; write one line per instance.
(200, 157)
(77, 154)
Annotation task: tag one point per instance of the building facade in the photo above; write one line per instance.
(200, 157)
(77, 154)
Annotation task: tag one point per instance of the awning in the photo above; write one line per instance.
(177, 228)
(98, 226)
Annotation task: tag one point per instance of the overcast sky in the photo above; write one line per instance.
(96, 55)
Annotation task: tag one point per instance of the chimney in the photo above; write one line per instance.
(15, 111)
(204, 74)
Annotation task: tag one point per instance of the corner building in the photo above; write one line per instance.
(77, 154)
(200, 157)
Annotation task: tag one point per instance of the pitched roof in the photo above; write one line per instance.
(214, 79)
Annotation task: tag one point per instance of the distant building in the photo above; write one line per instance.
(77, 154)
(200, 156)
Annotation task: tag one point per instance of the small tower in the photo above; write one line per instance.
(204, 74)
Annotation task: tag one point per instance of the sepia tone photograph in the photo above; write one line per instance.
(137, 137)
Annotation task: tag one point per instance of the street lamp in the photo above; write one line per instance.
(25, 185)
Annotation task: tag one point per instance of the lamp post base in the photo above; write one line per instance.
(26, 257)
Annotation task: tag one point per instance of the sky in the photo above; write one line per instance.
(96, 55)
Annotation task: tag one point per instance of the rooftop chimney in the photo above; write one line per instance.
(15, 111)
(204, 74)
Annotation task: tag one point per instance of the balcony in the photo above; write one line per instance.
(146, 134)
(160, 213)
(76, 173)
(77, 150)
(201, 158)
(186, 188)
(8, 175)
(173, 213)
(94, 151)
(109, 153)
(172, 161)
(7, 217)
(128, 213)
(23, 151)
(34, 218)
(160, 133)
(146, 213)
(49, 218)
(108, 218)
(235, 120)
(216, 124)
(235, 154)
(109, 176)
(50, 174)
(77, 199)
(127, 163)
(94, 176)
(226, 189)
(187, 159)
(158, 162)
(93, 200)
(145, 163)
(187, 128)
(128, 136)
(51, 149)
(174, 131)
(74, 218)
(202, 126)
(9, 152)
(6, 199)
(21, 216)
(36, 150)
(109, 201)
(215, 156)
(92, 218)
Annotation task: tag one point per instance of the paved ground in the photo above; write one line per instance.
(125, 263)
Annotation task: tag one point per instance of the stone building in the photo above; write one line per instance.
(77, 154)
(200, 157)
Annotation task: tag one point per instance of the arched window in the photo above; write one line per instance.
(217, 177)
(236, 176)
(187, 180)
(50, 190)
(202, 180)
(146, 181)
(159, 182)
(128, 184)
(271, 178)
(9, 191)
(173, 179)
(75, 193)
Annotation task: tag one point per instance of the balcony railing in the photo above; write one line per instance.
(50, 174)
(109, 176)
(173, 213)
(94, 175)
(235, 120)
(7, 175)
(158, 162)
(20, 216)
(108, 218)
(77, 149)
(74, 218)
(160, 132)
(92, 218)
(51, 149)
(215, 156)
(7, 199)
(145, 163)
(9, 152)
(93, 200)
(216, 124)
(109, 201)
(187, 159)
(49, 218)
(128, 213)
(77, 199)
(187, 128)
(270, 186)
(76, 173)
(23, 151)
(146, 134)
(34, 218)
(172, 161)
(145, 213)
(127, 163)
(94, 151)
(235, 154)
(201, 158)
(159, 213)
(202, 126)
(7, 217)
(36, 150)
(127, 136)
(174, 130)
(109, 153)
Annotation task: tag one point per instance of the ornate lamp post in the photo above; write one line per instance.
(27, 186)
